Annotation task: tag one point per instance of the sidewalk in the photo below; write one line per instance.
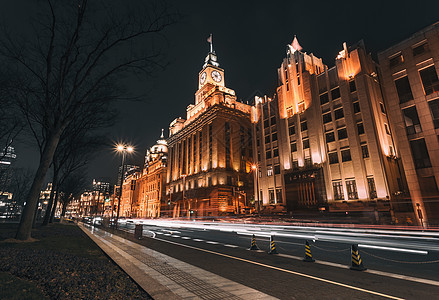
(164, 277)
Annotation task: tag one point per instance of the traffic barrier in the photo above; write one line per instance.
(253, 245)
(357, 263)
(272, 246)
(308, 254)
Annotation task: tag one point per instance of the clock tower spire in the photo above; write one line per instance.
(211, 74)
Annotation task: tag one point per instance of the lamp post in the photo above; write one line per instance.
(255, 169)
(121, 148)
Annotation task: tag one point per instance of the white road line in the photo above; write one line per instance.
(198, 240)
(393, 249)
(231, 246)
(175, 236)
(159, 232)
(404, 277)
(287, 271)
(167, 234)
(185, 238)
(213, 243)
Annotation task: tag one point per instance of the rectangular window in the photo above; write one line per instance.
(266, 124)
(372, 188)
(324, 98)
(267, 139)
(352, 86)
(292, 130)
(279, 195)
(274, 136)
(305, 143)
(268, 154)
(396, 60)
(277, 169)
(333, 158)
(337, 186)
(271, 196)
(327, 118)
(383, 109)
(420, 48)
(295, 164)
(351, 188)
(303, 126)
(308, 162)
(403, 89)
(330, 136)
(420, 154)
(293, 147)
(273, 120)
(430, 80)
(411, 119)
(356, 107)
(346, 155)
(434, 108)
(360, 128)
(269, 171)
(342, 133)
(386, 127)
(335, 93)
(364, 151)
(275, 152)
(338, 113)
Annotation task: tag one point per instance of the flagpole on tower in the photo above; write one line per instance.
(209, 39)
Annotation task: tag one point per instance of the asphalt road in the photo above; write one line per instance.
(401, 264)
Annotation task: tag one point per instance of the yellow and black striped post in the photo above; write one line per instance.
(357, 263)
(308, 255)
(253, 245)
(272, 246)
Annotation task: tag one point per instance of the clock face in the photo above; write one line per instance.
(216, 76)
(203, 78)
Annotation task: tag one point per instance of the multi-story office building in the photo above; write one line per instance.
(209, 169)
(324, 141)
(410, 79)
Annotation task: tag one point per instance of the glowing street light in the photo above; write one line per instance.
(122, 148)
(255, 169)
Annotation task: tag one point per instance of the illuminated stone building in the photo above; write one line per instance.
(210, 151)
(410, 79)
(324, 141)
(151, 200)
(129, 195)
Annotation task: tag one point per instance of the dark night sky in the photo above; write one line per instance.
(249, 39)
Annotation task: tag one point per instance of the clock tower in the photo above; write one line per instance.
(211, 74)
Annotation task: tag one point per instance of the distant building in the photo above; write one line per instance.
(411, 84)
(324, 142)
(210, 153)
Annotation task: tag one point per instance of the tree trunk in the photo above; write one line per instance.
(52, 213)
(52, 194)
(25, 227)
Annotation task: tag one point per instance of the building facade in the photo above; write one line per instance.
(409, 72)
(210, 152)
(323, 142)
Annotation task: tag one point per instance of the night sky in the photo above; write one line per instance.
(250, 41)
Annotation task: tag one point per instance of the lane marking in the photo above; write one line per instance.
(393, 249)
(231, 246)
(286, 271)
(213, 243)
(185, 238)
(175, 236)
(167, 234)
(198, 240)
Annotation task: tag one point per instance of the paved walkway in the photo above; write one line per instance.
(164, 277)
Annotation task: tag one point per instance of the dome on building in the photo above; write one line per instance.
(161, 145)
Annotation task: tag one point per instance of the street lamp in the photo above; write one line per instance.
(122, 148)
(255, 169)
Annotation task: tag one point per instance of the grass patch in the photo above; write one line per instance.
(63, 263)
(14, 288)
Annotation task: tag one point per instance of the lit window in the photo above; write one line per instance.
(337, 186)
(351, 188)
(269, 171)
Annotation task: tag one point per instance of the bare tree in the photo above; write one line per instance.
(72, 187)
(75, 61)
